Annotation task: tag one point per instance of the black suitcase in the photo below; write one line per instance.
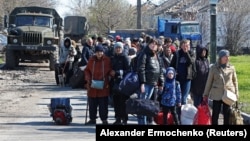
(77, 79)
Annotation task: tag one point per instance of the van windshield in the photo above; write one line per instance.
(190, 28)
(33, 21)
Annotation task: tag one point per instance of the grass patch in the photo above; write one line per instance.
(1, 60)
(242, 65)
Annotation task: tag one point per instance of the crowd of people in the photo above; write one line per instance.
(167, 68)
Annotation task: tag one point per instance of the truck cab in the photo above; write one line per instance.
(180, 29)
(33, 35)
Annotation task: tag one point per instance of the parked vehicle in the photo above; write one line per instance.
(34, 34)
(167, 28)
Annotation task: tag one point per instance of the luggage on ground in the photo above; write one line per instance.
(60, 110)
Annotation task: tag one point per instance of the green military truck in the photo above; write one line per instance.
(75, 27)
(34, 34)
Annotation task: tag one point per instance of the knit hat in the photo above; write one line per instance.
(99, 48)
(118, 44)
(223, 53)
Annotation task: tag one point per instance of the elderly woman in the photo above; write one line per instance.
(221, 75)
(98, 68)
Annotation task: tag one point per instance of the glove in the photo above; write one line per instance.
(134, 96)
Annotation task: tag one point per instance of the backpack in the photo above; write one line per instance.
(60, 110)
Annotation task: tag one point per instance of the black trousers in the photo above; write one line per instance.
(173, 111)
(216, 111)
(96, 103)
(119, 101)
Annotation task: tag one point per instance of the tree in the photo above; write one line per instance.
(235, 24)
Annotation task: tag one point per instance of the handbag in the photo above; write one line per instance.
(144, 107)
(235, 117)
(229, 97)
(97, 84)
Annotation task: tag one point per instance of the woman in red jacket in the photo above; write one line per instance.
(98, 68)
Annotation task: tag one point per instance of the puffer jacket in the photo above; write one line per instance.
(171, 94)
(149, 68)
(215, 85)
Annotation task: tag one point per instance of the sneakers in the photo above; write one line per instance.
(91, 122)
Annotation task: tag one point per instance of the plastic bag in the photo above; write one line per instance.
(203, 115)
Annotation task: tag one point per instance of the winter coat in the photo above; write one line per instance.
(215, 86)
(189, 59)
(149, 68)
(120, 62)
(171, 94)
(202, 68)
(67, 53)
(97, 74)
(87, 52)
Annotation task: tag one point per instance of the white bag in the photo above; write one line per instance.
(229, 97)
(188, 112)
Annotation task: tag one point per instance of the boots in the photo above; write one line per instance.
(117, 122)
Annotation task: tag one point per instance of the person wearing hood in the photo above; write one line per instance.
(171, 96)
(202, 69)
(67, 54)
(221, 76)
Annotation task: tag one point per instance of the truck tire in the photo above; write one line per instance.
(11, 59)
(53, 59)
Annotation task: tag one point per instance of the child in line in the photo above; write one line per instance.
(171, 96)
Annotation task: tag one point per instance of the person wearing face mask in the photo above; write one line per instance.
(221, 75)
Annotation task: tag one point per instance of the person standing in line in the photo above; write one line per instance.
(199, 82)
(183, 61)
(87, 51)
(150, 73)
(98, 68)
(171, 96)
(120, 67)
(222, 75)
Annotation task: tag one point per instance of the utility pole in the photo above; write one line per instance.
(139, 23)
(213, 31)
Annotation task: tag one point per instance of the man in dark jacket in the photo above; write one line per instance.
(87, 51)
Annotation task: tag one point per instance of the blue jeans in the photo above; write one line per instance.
(185, 85)
(149, 89)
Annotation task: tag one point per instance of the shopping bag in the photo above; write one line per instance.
(203, 115)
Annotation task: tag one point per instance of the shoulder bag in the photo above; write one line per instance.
(97, 84)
